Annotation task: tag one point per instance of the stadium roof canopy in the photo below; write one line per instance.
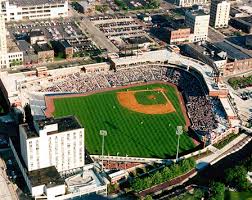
(151, 56)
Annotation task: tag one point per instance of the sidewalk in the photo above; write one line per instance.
(218, 154)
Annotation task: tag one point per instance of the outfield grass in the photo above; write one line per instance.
(129, 132)
(143, 97)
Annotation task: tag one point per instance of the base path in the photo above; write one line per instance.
(128, 100)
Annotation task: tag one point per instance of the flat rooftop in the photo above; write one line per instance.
(41, 47)
(247, 20)
(153, 56)
(12, 46)
(232, 51)
(30, 131)
(196, 12)
(64, 123)
(25, 47)
(36, 33)
(35, 2)
(48, 176)
(207, 50)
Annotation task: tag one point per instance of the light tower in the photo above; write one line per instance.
(179, 132)
(103, 133)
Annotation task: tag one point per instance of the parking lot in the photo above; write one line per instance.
(56, 30)
(122, 30)
(131, 4)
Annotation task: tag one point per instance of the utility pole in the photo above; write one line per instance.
(103, 133)
(179, 132)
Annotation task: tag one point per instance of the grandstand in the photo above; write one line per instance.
(194, 79)
(199, 107)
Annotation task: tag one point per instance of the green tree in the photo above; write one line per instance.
(236, 177)
(217, 191)
(148, 197)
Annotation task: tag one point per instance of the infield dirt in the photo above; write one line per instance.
(128, 100)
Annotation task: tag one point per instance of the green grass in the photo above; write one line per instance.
(238, 195)
(143, 97)
(155, 137)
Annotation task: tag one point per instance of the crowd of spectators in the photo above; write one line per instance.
(198, 104)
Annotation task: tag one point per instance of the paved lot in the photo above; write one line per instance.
(215, 36)
(97, 36)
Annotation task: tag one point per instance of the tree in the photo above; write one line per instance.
(198, 194)
(157, 178)
(236, 177)
(217, 191)
(148, 197)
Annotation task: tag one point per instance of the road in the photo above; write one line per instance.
(7, 191)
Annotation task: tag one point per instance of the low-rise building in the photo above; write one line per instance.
(36, 36)
(86, 6)
(14, 10)
(29, 55)
(63, 46)
(207, 53)
(225, 56)
(16, 57)
(242, 23)
(238, 59)
(189, 3)
(248, 41)
(44, 51)
(179, 36)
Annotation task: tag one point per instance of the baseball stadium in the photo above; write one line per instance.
(139, 101)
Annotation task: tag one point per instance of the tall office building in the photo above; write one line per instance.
(3, 42)
(219, 13)
(198, 21)
(189, 3)
(53, 142)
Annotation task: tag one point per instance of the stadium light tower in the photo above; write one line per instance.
(103, 133)
(179, 132)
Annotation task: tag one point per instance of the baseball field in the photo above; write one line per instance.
(140, 121)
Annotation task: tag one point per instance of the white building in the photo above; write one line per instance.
(189, 3)
(219, 13)
(16, 10)
(53, 142)
(15, 55)
(198, 21)
(50, 155)
(3, 43)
